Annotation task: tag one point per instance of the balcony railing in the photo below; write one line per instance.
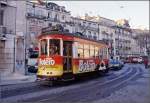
(32, 15)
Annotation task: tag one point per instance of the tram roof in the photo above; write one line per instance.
(71, 34)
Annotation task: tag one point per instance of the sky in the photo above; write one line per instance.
(137, 12)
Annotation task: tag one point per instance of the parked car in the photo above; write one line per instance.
(126, 60)
(116, 63)
(135, 59)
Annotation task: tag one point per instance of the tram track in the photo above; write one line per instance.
(38, 86)
(86, 87)
(89, 91)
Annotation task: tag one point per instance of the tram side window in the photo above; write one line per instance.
(80, 51)
(92, 51)
(101, 53)
(44, 47)
(86, 50)
(54, 47)
(96, 51)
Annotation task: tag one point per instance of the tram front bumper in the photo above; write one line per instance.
(47, 78)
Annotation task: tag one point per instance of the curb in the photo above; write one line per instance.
(18, 81)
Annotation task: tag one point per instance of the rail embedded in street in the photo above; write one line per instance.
(104, 85)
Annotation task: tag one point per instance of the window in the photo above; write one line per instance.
(80, 50)
(101, 53)
(86, 53)
(48, 16)
(80, 46)
(89, 32)
(56, 17)
(92, 51)
(2, 44)
(44, 47)
(50, 24)
(63, 17)
(1, 17)
(86, 46)
(80, 53)
(96, 51)
(86, 50)
(54, 47)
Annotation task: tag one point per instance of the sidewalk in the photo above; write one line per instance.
(17, 78)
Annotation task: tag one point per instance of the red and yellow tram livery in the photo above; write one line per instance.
(65, 56)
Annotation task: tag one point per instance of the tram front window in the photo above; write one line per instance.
(54, 47)
(44, 47)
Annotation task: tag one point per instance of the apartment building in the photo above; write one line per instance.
(7, 37)
(27, 23)
(142, 38)
(59, 15)
(123, 38)
(88, 28)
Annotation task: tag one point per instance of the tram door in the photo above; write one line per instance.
(67, 54)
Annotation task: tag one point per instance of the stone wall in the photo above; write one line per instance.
(7, 55)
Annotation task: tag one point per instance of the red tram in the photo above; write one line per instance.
(65, 56)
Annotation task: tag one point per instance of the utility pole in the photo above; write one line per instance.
(114, 42)
(146, 38)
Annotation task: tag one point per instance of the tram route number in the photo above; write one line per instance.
(88, 65)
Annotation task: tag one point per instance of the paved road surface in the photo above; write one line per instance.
(125, 85)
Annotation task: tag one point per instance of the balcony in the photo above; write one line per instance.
(50, 19)
(105, 33)
(3, 2)
(70, 23)
(95, 37)
(32, 15)
(88, 27)
(89, 36)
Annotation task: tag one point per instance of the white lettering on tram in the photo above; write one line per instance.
(87, 65)
(47, 61)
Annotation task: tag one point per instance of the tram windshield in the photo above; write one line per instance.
(54, 47)
(43, 47)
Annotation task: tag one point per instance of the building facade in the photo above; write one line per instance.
(142, 38)
(7, 38)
